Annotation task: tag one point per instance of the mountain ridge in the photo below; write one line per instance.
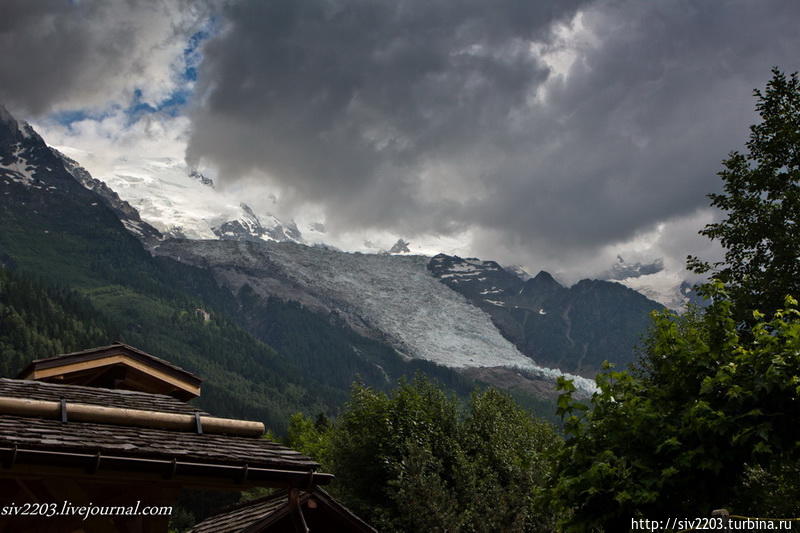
(573, 328)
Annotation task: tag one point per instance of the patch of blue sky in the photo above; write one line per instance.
(192, 54)
(172, 105)
(71, 116)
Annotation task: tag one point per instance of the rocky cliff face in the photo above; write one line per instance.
(127, 214)
(572, 328)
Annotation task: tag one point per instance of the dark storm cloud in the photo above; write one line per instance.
(348, 102)
(421, 116)
(89, 53)
(642, 121)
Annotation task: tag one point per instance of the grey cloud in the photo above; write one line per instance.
(419, 116)
(89, 53)
(348, 102)
(643, 119)
(622, 269)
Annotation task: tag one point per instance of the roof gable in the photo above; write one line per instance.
(117, 366)
(318, 509)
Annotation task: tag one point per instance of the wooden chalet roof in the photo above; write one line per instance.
(121, 414)
(126, 399)
(271, 513)
(188, 455)
(138, 442)
(240, 516)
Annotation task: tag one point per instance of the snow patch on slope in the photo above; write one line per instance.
(20, 171)
(665, 287)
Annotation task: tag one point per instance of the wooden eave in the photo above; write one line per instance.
(20, 462)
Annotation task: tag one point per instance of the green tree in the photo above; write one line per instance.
(761, 203)
(383, 444)
(417, 460)
(707, 419)
(313, 438)
(686, 431)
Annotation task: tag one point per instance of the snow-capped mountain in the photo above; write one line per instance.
(25, 159)
(394, 298)
(249, 227)
(667, 287)
(181, 202)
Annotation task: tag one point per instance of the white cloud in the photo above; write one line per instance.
(94, 54)
(99, 144)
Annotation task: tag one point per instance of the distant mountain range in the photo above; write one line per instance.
(161, 242)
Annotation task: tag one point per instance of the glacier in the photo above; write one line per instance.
(394, 296)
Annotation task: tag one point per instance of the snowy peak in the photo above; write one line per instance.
(249, 227)
(182, 202)
(195, 174)
(667, 287)
(483, 280)
(25, 159)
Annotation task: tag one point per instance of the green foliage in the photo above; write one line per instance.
(709, 417)
(684, 433)
(761, 202)
(39, 321)
(772, 490)
(415, 460)
(312, 437)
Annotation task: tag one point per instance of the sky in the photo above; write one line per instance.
(580, 137)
